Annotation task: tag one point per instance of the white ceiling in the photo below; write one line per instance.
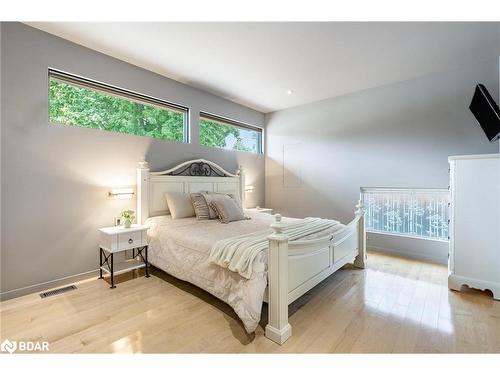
(254, 64)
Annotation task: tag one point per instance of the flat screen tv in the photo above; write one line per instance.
(486, 112)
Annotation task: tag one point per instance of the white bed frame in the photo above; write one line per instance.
(294, 267)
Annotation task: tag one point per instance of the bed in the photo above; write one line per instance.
(280, 275)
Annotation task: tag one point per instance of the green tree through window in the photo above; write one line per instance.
(216, 133)
(81, 106)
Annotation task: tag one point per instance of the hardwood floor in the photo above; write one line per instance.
(396, 305)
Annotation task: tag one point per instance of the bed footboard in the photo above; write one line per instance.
(296, 267)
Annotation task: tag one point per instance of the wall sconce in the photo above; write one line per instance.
(122, 193)
(249, 189)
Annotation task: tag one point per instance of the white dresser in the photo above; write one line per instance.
(474, 258)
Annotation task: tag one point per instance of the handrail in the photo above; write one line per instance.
(374, 189)
(409, 212)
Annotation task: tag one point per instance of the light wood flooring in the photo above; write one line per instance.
(396, 305)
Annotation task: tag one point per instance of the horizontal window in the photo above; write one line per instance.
(421, 213)
(80, 102)
(231, 135)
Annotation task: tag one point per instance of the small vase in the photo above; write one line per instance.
(127, 223)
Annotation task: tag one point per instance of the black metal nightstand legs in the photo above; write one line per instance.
(108, 260)
(144, 258)
(113, 286)
(146, 263)
(100, 263)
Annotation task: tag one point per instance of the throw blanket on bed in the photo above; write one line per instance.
(238, 253)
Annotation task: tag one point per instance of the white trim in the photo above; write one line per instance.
(47, 285)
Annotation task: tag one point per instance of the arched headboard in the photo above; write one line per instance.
(189, 177)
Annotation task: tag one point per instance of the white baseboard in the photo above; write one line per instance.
(408, 254)
(47, 285)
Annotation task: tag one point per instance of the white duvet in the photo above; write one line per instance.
(181, 247)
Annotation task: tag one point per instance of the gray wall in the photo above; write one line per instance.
(55, 179)
(319, 155)
(1, 117)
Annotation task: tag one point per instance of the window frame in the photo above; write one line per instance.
(119, 92)
(234, 123)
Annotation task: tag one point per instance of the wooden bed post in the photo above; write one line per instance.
(142, 191)
(278, 329)
(241, 173)
(360, 260)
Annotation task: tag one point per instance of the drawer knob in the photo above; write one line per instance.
(130, 240)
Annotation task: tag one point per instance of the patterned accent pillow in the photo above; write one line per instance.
(226, 208)
(200, 206)
(211, 195)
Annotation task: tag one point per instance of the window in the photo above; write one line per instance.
(230, 135)
(421, 213)
(79, 102)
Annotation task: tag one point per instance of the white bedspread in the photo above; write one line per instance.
(238, 253)
(182, 247)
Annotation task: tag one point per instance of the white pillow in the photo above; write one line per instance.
(179, 205)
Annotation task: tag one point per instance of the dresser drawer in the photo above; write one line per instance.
(129, 240)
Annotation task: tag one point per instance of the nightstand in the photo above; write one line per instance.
(261, 209)
(117, 239)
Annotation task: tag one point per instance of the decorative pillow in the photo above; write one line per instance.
(179, 205)
(227, 209)
(200, 206)
(236, 199)
(211, 195)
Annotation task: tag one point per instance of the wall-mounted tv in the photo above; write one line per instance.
(486, 112)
